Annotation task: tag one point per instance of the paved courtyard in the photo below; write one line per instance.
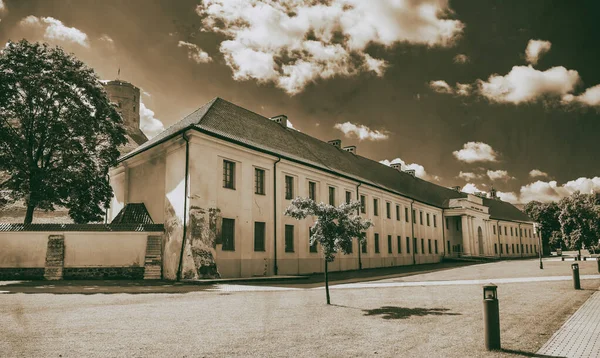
(413, 315)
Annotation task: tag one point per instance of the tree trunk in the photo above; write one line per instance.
(29, 214)
(327, 283)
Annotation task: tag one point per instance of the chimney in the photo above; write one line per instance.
(351, 149)
(456, 188)
(336, 142)
(281, 119)
(493, 194)
(397, 166)
(410, 171)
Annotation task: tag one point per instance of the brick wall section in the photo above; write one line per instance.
(55, 257)
(153, 259)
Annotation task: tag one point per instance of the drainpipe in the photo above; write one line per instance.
(499, 244)
(187, 167)
(520, 242)
(412, 225)
(442, 222)
(275, 216)
(359, 246)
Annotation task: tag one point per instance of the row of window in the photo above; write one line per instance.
(528, 248)
(520, 231)
(228, 240)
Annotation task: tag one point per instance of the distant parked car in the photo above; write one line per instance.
(559, 252)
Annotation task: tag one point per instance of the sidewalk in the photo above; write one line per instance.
(580, 335)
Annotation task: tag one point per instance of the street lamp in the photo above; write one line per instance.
(536, 231)
(491, 317)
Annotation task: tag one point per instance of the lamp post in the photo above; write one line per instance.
(536, 231)
(491, 317)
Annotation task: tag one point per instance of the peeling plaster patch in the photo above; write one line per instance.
(172, 242)
(199, 259)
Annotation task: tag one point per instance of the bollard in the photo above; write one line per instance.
(562, 258)
(598, 262)
(578, 258)
(584, 258)
(575, 269)
(491, 317)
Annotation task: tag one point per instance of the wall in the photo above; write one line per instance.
(104, 249)
(23, 249)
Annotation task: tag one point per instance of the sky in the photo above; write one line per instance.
(476, 94)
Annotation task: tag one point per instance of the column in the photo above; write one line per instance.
(466, 240)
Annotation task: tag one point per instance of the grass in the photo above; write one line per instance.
(437, 321)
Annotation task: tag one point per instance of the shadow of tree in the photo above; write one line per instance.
(392, 312)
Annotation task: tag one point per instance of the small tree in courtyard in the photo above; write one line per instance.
(334, 228)
(59, 133)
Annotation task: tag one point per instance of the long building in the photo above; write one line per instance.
(223, 176)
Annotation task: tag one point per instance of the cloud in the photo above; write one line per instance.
(498, 175)
(469, 176)
(551, 191)
(440, 86)
(476, 152)
(2, 6)
(296, 42)
(510, 197)
(360, 131)
(537, 173)
(591, 97)
(418, 168)
(55, 30)
(471, 188)
(526, 84)
(461, 58)
(195, 53)
(535, 49)
(148, 124)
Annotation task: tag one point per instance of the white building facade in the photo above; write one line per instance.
(221, 179)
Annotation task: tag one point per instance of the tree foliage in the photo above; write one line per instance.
(59, 133)
(546, 214)
(579, 218)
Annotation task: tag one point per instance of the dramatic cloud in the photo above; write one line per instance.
(537, 173)
(360, 131)
(148, 124)
(591, 97)
(418, 168)
(296, 42)
(476, 152)
(468, 176)
(498, 175)
(56, 30)
(535, 49)
(526, 84)
(195, 53)
(551, 191)
(461, 58)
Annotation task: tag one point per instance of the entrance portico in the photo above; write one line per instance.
(475, 238)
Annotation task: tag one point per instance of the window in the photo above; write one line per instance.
(535, 248)
(513, 248)
(494, 229)
(428, 224)
(423, 246)
(447, 226)
(457, 225)
(406, 214)
(312, 190)
(289, 187)
(526, 249)
(408, 245)
(501, 250)
(434, 220)
(398, 212)
(331, 196)
(228, 174)
(507, 248)
(525, 233)
(399, 243)
(520, 232)
(348, 197)
(505, 234)
(511, 231)
(375, 207)
(421, 217)
(311, 248)
(259, 181)
(363, 204)
(529, 232)
(429, 245)
(414, 215)
(227, 235)
(389, 244)
(415, 247)
(363, 246)
(496, 249)
(376, 243)
(435, 247)
(289, 238)
(259, 236)
(388, 210)
(517, 248)
(449, 249)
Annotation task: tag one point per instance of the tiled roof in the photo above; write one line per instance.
(82, 227)
(231, 122)
(133, 213)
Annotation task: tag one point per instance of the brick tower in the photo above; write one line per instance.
(127, 98)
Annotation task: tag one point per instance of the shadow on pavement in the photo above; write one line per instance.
(527, 354)
(393, 312)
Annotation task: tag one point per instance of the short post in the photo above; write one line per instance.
(562, 258)
(598, 262)
(575, 269)
(491, 317)
(584, 258)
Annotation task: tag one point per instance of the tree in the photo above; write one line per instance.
(59, 133)
(334, 227)
(546, 214)
(580, 220)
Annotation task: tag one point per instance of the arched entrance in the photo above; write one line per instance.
(480, 239)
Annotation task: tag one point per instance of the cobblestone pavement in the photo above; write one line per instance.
(580, 335)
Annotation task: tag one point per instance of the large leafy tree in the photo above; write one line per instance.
(59, 133)
(334, 227)
(580, 220)
(546, 214)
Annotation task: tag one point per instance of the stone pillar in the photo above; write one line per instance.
(55, 256)
(466, 240)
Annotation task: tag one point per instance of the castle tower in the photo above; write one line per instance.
(127, 98)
